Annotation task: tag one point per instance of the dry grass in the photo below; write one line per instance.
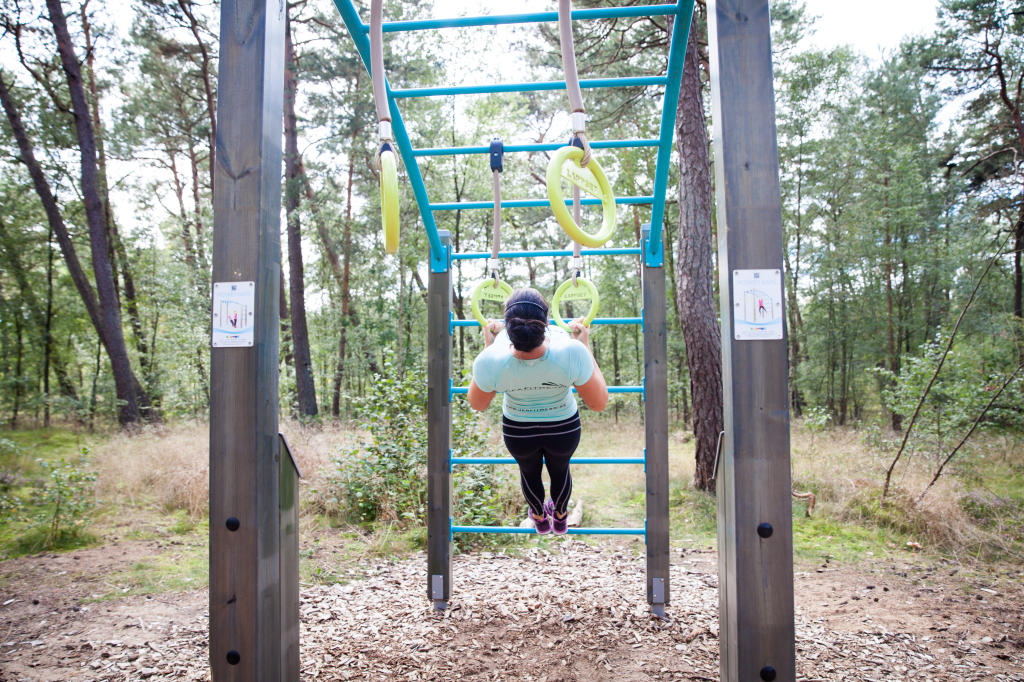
(169, 465)
(847, 474)
(965, 513)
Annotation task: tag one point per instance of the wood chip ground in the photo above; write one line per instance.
(561, 612)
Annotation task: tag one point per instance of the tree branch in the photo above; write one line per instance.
(981, 415)
(938, 367)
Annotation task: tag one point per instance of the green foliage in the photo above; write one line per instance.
(50, 510)
(960, 392)
(385, 478)
(817, 419)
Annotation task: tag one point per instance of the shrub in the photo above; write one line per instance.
(64, 502)
(55, 510)
(385, 477)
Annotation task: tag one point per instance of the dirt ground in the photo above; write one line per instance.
(562, 611)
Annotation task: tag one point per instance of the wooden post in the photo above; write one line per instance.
(656, 433)
(288, 505)
(246, 629)
(755, 531)
(439, 432)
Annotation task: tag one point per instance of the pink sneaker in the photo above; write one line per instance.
(542, 526)
(559, 525)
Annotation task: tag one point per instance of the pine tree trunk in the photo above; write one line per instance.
(18, 383)
(1018, 248)
(304, 384)
(695, 302)
(56, 223)
(110, 317)
(206, 71)
(793, 317)
(48, 328)
(116, 249)
(347, 312)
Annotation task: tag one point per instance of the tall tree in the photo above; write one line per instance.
(978, 51)
(694, 274)
(304, 384)
(128, 389)
(103, 311)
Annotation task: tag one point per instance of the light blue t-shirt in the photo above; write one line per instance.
(535, 390)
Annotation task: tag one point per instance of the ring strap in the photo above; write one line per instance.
(577, 112)
(380, 91)
(497, 165)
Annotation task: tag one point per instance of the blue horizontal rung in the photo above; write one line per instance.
(530, 203)
(480, 255)
(572, 531)
(574, 460)
(536, 147)
(596, 320)
(530, 18)
(463, 390)
(443, 91)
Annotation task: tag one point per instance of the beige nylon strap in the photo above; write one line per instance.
(572, 77)
(496, 235)
(380, 93)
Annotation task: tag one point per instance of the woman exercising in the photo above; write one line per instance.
(536, 366)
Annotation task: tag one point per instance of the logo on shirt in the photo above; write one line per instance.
(543, 386)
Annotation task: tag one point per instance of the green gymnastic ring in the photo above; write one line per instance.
(580, 290)
(591, 180)
(389, 199)
(488, 290)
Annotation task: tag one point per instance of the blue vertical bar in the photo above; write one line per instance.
(439, 257)
(654, 253)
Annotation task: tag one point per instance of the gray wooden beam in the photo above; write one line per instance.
(755, 569)
(245, 582)
(439, 433)
(656, 434)
(288, 505)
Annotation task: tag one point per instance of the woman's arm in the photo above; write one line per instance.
(595, 391)
(479, 399)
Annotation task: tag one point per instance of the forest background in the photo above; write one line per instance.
(902, 202)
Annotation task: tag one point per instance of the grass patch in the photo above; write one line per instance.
(31, 445)
(692, 517)
(47, 496)
(822, 537)
(185, 568)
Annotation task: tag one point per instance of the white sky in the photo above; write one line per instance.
(870, 26)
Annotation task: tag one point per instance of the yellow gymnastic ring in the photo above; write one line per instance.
(389, 199)
(580, 290)
(591, 180)
(488, 290)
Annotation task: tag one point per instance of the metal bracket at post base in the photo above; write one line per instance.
(437, 592)
(658, 597)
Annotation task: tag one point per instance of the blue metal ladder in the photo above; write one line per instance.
(651, 249)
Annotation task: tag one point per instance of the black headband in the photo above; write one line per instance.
(535, 305)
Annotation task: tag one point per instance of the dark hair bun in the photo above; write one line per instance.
(526, 319)
(525, 334)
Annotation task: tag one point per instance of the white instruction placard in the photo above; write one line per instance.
(234, 304)
(757, 304)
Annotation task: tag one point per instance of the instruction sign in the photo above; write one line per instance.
(757, 304)
(233, 306)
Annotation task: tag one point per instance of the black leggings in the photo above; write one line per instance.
(535, 445)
